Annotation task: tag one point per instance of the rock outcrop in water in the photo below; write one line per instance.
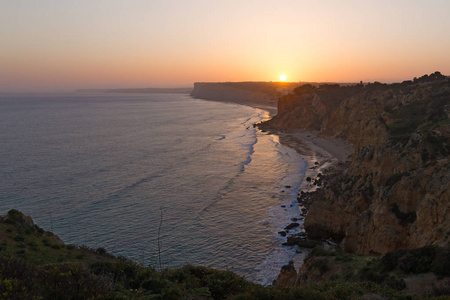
(394, 193)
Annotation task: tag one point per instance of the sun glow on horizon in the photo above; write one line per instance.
(43, 46)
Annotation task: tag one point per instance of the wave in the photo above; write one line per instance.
(134, 185)
(245, 144)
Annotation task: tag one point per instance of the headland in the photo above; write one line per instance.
(382, 151)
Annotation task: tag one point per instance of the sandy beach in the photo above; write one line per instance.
(324, 150)
(321, 152)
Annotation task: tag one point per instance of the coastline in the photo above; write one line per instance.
(321, 154)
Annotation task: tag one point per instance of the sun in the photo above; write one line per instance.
(283, 77)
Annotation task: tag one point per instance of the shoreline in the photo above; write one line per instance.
(321, 153)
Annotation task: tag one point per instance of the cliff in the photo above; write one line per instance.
(262, 95)
(394, 192)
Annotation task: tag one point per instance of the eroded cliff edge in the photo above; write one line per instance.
(394, 192)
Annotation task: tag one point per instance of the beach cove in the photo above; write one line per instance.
(321, 153)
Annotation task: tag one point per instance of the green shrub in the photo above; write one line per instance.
(20, 280)
(441, 263)
(101, 251)
(320, 264)
(410, 261)
(368, 273)
(395, 283)
(21, 245)
(14, 216)
(19, 238)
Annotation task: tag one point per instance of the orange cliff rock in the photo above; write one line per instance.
(394, 192)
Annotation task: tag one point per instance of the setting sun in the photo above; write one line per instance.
(283, 77)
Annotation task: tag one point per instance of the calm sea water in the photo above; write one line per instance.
(102, 169)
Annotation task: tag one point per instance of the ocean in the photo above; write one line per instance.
(114, 170)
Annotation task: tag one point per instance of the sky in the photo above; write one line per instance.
(173, 43)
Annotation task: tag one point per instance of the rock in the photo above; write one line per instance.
(16, 217)
(298, 251)
(308, 179)
(292, 225)
(283, 205)
(288, 186)
(282, 233)
(294, 239)
(287, 276)
(291, 241)
(308, 243)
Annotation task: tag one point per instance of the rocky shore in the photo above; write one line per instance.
(323, 154)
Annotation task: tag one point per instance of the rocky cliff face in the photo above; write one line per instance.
(394, 193)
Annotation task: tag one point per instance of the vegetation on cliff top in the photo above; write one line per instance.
(35, 264)
(425, 271)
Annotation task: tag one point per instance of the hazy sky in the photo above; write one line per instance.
(140, 43)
